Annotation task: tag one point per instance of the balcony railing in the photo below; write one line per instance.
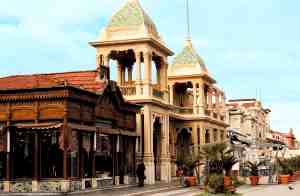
(129, 90)
(184, 110)
(157, 93)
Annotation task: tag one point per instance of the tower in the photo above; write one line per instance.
(131, 39)
(198, 103)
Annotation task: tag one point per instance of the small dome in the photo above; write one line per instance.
(187, 62)
(130, 22)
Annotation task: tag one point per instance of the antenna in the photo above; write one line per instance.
(188, 20)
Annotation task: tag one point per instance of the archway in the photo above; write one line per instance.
(157, 148)
(184, 151)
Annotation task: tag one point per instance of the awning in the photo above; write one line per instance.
(82, 127)
(112, 131)
(38, 126)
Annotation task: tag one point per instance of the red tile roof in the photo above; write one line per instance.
(81, 79)
(246, 105)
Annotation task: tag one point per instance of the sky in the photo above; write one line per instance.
(249, 46)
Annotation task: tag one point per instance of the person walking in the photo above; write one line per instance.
(141, 174)
(181, 176)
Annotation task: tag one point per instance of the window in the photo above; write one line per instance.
(207, 136)
(215, 135)
(222, 135)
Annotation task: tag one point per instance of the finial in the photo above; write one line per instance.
(188, 20)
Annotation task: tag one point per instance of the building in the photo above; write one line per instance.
(64, 132)
(249, 117)
(181, 107)
(288, 139)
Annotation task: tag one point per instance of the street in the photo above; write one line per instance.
(166, 190)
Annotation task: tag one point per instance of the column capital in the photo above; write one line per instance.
(147, 52)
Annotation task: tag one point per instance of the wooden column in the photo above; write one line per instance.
(81, 163)
(65, 133)
(65, 164)
(93, 150)
(8, 157)
(36, 153)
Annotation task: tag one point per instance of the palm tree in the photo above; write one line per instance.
(254, 167)
(228, 162)
(219, 156)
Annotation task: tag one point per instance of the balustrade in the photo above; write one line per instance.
(129, 90)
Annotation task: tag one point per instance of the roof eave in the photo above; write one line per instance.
(156, 43)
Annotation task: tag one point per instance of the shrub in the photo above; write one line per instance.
(284, 167)
(253, 167)
(236, 182)
(216, 183)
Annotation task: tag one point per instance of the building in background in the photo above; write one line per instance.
(249, 117)
(288, 139)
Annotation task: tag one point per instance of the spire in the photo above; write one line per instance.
(188, 21)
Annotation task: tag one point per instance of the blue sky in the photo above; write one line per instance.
(246, 44)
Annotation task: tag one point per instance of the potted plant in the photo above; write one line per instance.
(190, 165)
(297, 167)
(253, 167)
(285, 171)
(228, 163)
(292, 162)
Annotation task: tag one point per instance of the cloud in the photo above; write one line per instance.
(245, 46)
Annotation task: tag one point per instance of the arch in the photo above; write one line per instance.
(183, 145)
(157, 147)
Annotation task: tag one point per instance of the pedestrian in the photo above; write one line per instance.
(141, 174)
(181, 176)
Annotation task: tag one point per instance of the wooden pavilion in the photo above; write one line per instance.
(64, 132)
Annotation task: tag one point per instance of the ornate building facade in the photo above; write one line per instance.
(182, 108)
(249, 117)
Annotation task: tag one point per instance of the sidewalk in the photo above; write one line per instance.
(270, 190)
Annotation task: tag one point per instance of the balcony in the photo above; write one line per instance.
(130, 91)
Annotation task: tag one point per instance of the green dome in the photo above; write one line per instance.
(132, 15)
(187, 62)
(189, 56)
